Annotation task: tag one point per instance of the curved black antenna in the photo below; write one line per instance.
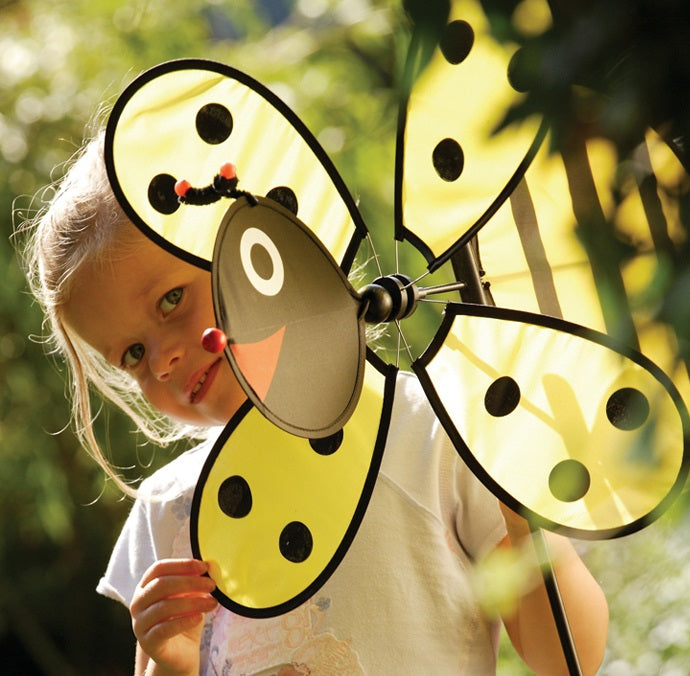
(224, 184)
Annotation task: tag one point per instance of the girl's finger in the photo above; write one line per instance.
(177, 606)
(173, 567)
(168, 588)
(168, 611)
(163, 631)
(174, 585)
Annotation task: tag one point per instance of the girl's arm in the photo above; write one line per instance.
(532, 629)
(167, 616)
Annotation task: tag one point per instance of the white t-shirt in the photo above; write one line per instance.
(400, 602)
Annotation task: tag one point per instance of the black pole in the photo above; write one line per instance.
(555, 600)
(467, 268)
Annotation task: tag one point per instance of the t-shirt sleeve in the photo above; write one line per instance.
(157, 527)
(135, 551)
(479, 522)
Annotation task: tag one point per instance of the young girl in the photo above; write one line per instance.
(127, 316)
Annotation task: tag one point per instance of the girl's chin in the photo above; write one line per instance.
(221, 415)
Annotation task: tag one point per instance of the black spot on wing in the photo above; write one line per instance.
(296, 542)
(502, 397)
(162, 195)
(285, 197)
(456, 41)
(569, 480)
(235, 497)
(327, 445)
(214, 123)
(627, 409)
(448, 159)
(521, 70)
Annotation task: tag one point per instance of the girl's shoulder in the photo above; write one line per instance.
(412, 416)
(410, 394)
(180, 475)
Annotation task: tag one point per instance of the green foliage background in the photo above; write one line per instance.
(336, 62)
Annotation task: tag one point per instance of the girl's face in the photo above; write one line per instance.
(144, 310)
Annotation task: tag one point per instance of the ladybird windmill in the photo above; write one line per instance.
(576, 430)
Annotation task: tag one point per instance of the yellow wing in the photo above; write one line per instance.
(274, 513)
(183, 120)
(566, 427)
(543, 218)
(453, 172)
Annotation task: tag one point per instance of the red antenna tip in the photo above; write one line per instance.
(181, 188)
(228, 170)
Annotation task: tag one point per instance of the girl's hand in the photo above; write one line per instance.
(168, 611)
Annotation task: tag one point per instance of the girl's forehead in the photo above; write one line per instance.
(125, 264)
(125, 241)
(130, 254)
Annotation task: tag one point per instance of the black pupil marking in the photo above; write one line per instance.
(456, 41)
(214, 123)
(569, 480)
(502, 396)
(262, 263)
(327, 445)
(235, 497)
(296, 542)
(162, 195)
(627, 409)
(448, 159)
(285, 197)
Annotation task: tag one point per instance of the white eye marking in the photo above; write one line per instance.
(268, 286)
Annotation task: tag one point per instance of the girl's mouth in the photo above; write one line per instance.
(202, 382)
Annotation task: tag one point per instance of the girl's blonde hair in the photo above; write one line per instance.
(80, 222)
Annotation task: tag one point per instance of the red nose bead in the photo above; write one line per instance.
(228, 170)
(181, 188)
(214, 340)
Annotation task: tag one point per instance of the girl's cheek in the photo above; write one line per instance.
(149, 390)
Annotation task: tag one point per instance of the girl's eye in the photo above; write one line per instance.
(133, 355)
(170, 300)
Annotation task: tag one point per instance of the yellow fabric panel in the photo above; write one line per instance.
(565, 384)
(465, 102)
(290, 482)
(513, 285)
(158, 125)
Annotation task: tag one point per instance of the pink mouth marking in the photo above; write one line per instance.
(258, 361)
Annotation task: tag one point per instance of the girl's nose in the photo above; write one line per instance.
(163, 359)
